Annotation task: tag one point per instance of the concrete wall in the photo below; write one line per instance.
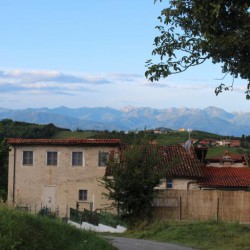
(55, 186)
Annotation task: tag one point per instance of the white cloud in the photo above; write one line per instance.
(34, 88)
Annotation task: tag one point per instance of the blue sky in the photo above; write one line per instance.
(81, 53)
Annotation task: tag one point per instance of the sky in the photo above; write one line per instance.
(82, 53)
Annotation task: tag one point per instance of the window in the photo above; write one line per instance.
(77, 159)
(83, 195)
(103, 158)
(169, 183)
(27, 157)
(51, 158)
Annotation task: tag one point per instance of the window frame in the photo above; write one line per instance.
(29, 160)
(76, 161)
(101, 162)
(52, 161)
(82, 195)
(169, 183)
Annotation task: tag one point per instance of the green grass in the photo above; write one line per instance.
(219, 151)
(23, 231)
(199, 235)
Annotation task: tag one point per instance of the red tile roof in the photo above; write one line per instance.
(226, 177)
(181, 162)
(14, 141)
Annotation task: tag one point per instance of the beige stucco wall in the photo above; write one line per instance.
(180, 184)
(56, 186)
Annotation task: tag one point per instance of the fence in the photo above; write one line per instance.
(230, 206)
(94, 218)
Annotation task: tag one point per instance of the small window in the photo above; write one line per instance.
(103, 158)
(83, 195)
(51, 158)
(27, 157)
(169, 183)
(77, 159)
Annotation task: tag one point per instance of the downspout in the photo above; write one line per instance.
(14, 177)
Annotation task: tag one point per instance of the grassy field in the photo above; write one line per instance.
(25, 232)
(209, 235)
(218, 151)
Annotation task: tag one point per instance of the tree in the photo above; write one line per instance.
(132, 180)
(4, 153)
(198, 30)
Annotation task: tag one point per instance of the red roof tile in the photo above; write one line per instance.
(181, 162)
(226, 177)
(14, 141)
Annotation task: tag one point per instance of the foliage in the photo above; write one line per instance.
(25, 232)
(199, 235)
(4, 152)
(95, 218)
(134, 178)
(194, 31)
(130, 137)
(14, 129)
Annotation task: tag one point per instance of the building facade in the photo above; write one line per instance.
(58, 173)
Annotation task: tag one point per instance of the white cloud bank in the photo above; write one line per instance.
(40, 88)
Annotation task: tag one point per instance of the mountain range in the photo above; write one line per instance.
(211, 119)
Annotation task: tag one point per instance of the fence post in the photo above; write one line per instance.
(180, 209)
(218, 208)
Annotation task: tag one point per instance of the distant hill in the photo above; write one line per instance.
(210, 119)
(17, 129)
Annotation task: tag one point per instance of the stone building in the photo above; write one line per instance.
(58, 173)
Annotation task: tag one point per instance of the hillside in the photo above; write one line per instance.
(48, 234)
(210, 119)
(15, 129)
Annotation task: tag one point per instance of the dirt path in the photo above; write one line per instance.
(137, 244)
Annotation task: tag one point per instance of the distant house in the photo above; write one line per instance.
(190, 170)
(223, 143)
(235, 143)
(228, 172)
(207, 143)
(185, 169)
(182, 168)
(58, 173)
(226, 178)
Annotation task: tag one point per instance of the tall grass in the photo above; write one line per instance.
(210, 235)
(23, 231)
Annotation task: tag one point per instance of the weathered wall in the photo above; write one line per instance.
(231, 206)
(33, 185)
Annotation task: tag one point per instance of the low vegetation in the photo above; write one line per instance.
(23, 231)
(218, 151)
(210, 235)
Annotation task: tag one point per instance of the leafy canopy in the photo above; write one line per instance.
(132, 180)
(194, 31)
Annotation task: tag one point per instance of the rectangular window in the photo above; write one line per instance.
(103, 158)
(169, 183)
(77, 159)
(51, 158)
(27, 157)
(83, 195)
